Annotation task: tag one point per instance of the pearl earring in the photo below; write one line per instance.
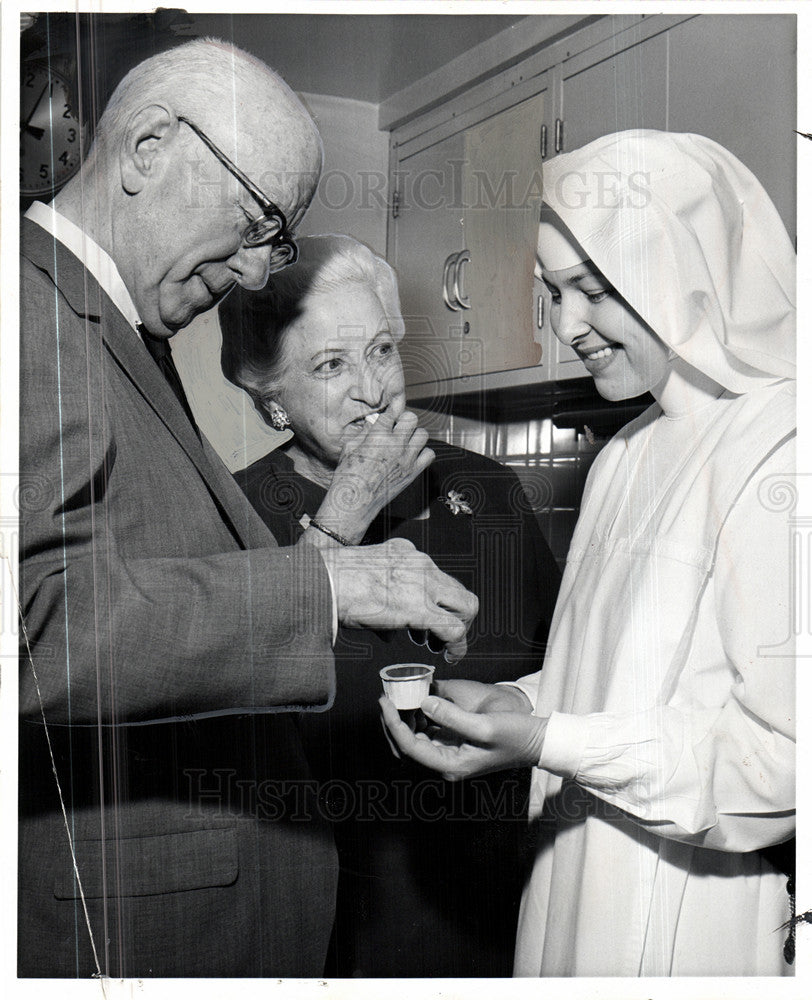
(279, 419)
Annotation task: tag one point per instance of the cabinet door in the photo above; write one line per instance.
(732, 78)
(616, 86)
(503, 200)
(428, 229)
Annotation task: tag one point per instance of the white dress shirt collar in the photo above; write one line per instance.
(97, 261)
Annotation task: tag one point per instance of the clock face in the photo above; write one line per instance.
(51, 138)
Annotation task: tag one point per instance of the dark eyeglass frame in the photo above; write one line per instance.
(269, 230)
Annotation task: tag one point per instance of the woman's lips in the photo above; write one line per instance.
(600, 358)
(367, 418)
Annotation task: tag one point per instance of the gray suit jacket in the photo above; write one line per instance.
(167, 631)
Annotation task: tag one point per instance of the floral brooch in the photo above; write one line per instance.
(456, 503)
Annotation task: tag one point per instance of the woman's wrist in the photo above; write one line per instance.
(537, 741)
(349, 525)
(329, 532)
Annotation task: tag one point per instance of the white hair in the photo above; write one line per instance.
(254, 324)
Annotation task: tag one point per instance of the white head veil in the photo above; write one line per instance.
(691, 240)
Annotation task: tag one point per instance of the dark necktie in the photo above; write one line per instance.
(160, 350)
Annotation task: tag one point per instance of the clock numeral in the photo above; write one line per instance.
(67, 112)
(64, 158)
(43, 171)
(71, 135)
(29, 79)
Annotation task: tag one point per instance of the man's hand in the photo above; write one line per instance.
(376, 465)
(394, 586)
(465, 743)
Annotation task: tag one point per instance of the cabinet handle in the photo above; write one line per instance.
(449, 263)
(559, 134)
(464, 257)
(543, 141)
(540, 313)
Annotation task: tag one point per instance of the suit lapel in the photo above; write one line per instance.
(86, 298)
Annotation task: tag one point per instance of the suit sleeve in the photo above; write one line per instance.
(144, 636)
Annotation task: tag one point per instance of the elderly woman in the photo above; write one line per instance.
(661, 729)
(317, 352)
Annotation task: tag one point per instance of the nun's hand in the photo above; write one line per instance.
(461, 744)
(474, 696)
(377, 463)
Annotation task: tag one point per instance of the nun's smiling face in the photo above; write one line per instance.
(620, 351)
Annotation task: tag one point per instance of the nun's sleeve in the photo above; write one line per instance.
(719, 777)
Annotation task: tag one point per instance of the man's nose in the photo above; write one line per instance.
(251, 267)
(569, 320)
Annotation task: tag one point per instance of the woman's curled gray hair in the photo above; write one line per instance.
(254, 324)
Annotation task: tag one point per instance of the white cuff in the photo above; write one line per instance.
(565, 742)
(529, 686)
(333, 602)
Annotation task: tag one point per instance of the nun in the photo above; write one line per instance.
(661, 729)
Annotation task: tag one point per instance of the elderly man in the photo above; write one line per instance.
(167, 822)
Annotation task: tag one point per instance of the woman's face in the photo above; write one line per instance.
(340, 364)
(620, 351)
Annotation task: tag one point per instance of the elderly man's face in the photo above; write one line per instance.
(192, 221)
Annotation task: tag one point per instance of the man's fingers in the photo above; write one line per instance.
(451, 631)
(450, 595)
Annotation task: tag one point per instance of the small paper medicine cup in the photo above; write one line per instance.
(406, 684)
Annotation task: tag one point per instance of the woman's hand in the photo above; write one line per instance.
(474, 696)
(374, 468)
(461, 743)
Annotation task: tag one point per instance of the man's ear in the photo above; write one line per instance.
(148, 132)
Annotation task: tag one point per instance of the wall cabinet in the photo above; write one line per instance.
(465, 175)
(463, 243)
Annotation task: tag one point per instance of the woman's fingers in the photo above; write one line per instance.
(468, 726)
(451, 758)
(418, 746)
(466, 693)
(397, 448)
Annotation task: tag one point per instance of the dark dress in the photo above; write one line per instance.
(431, 872)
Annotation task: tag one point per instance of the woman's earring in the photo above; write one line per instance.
(280, 421)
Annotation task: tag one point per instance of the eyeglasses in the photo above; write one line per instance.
(270, 230)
